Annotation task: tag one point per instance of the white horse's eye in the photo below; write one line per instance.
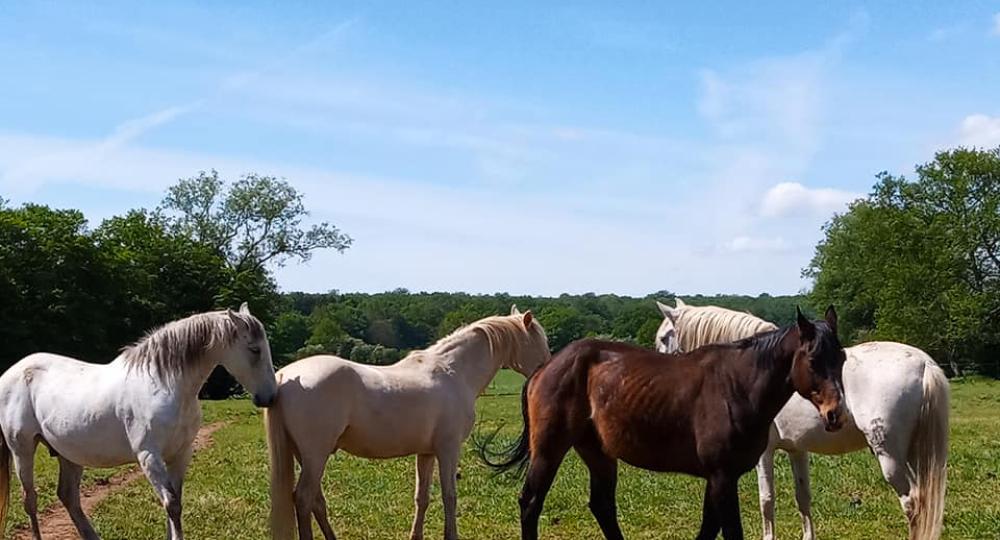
(254, 349)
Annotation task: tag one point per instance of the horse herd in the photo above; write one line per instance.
(720, 394)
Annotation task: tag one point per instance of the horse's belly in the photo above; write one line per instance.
(97, 445)
(385, 441)
(800, 428)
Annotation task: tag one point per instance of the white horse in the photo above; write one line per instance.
(896, 400)
(424, 405)
(142, 407)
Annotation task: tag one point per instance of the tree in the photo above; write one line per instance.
(162, 276)
(255, 222)
(919, 262)
(287, 335)
(564, 324)
(57, 288)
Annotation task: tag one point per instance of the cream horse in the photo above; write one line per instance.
(424, 405)
(142, 407)
(897, 405)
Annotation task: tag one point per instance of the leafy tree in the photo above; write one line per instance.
(255, 222)
(287, 335)
(564, 324)
(919, 262)
(56, 286)
(161, 276)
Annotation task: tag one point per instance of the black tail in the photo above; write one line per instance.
(512, 456)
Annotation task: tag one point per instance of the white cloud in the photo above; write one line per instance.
(979, 130)
(789, 198)
(756, 244)
(996, 24)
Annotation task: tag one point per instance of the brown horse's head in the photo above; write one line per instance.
(816, 370)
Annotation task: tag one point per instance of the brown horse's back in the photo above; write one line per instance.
(639, 406)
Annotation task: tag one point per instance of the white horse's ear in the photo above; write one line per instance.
(244, 309)
(237, 319)
(528, 317)
(679, 303)
(514, 310)
(667, 311)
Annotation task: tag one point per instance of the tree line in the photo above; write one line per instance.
(916, 261)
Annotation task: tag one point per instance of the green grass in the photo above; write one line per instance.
(226, 490)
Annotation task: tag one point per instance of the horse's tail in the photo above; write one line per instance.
(517, 454)
(928, 456)
(4, 481)
(279, 449)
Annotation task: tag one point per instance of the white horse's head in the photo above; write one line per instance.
(248, 358)
(666, 335)
(536, 351)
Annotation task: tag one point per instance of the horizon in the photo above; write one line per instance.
(621, 149)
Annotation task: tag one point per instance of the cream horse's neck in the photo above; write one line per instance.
(469, 359)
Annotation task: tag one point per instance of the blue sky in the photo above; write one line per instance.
(497, 146)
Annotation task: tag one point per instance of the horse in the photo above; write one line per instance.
(141, 407)
(896, 399)
(424, 405)
(705, 413)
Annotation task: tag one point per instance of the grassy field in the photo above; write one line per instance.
(226, 491)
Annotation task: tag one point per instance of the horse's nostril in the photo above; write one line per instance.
(831, 417)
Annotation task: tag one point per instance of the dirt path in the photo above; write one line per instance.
(55, 523)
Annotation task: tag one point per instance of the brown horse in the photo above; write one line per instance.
(705, 413)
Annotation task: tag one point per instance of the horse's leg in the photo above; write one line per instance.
(765, 490)
(319, 512)
(448, 470)
(307, 491)
(900, 477)
(24, 462)
(541, 472)
(156, 472)
(726, 499)
(175, 474)
(603, 482)
(803, 493)
(421, 497)
(69, 493)
(709, 516)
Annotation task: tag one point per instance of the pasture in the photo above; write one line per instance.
(226, 493)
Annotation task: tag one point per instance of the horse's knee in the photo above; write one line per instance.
(450, 499)
(173, 507)
(767, 503)
(30, 502)
(305, 501)
(65, 494)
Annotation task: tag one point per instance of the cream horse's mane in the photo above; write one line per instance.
(169, 349)
(506, 336)
(701, 325)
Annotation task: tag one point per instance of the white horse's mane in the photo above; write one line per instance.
(170, 349)
(505, 334)
(701, 325)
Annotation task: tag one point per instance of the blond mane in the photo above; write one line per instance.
(506, 336)
(170, 349)
(701, 325)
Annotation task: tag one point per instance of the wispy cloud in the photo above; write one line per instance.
(791, 198)
(755, 244)
(979, 130)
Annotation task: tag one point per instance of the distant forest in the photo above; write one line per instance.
(381, 328)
